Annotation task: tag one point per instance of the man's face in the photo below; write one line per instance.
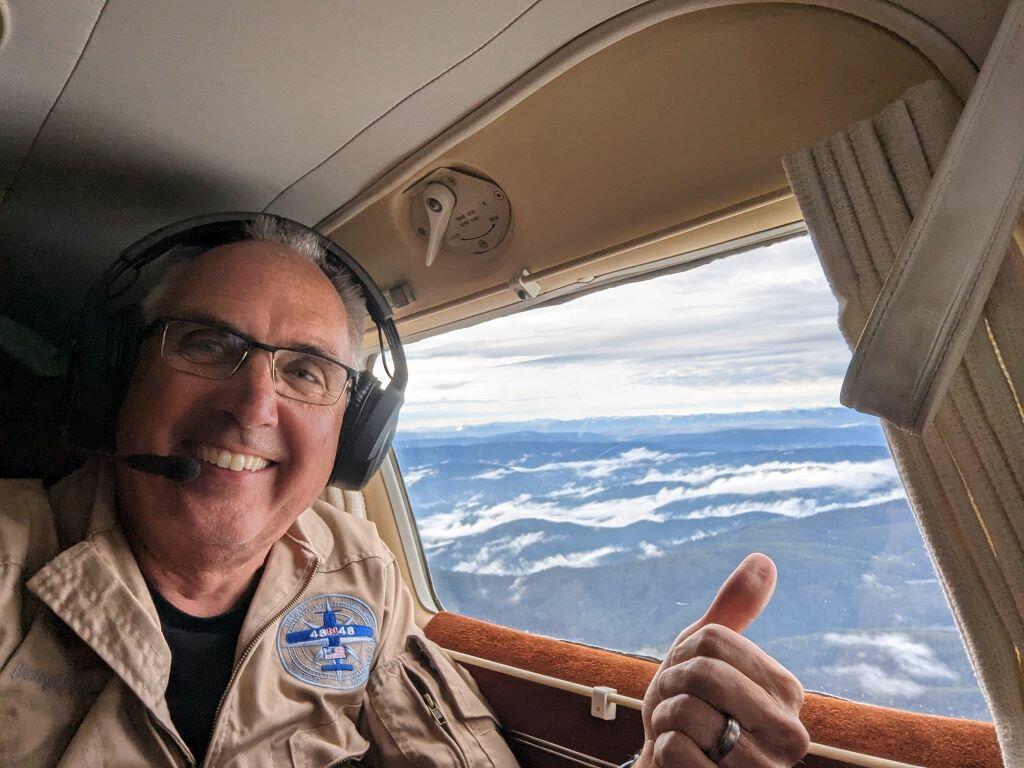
(270, 294)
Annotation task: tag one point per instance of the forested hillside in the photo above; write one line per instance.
(618, 531)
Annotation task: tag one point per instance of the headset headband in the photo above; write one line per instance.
(109, 338)
(212, 230)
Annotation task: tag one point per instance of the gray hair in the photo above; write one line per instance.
(269, 229)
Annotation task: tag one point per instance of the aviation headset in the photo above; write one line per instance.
(111, 330)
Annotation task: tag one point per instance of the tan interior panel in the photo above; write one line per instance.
(690, 237)
(378, 512)
(675, 124)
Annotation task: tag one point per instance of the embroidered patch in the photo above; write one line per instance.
(328, 640)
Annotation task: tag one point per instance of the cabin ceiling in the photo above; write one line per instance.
(124, 115)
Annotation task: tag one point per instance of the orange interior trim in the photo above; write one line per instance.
(926, 740)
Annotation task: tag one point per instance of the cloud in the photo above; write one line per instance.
(517, 590)
(779, 476)
(519, 543)
(589, 468)
(913, 658)
(469, 519)
(612, 513)
(648, 550)
(793, 507)
(413, 476)
(483, 563)
(862, 483)
(449, 385)
(576, 492)
(754, 331)
(499, 556)
(695, 536)
(876, 683)
(586, 559)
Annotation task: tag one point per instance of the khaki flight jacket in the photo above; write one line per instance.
(84, 665)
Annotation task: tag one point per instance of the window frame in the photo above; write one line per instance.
(394, 479)
(409, 534)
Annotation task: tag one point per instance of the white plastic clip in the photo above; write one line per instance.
(601, 705)
(524, 287)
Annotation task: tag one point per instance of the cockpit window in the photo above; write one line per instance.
(593, 470)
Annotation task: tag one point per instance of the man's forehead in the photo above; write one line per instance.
(255, 286)
(259, 256)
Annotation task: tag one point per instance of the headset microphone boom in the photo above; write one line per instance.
(180, 469)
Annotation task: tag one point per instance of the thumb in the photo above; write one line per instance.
(741, 598)
(739, 601)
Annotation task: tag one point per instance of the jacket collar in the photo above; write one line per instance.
(313, 534)
(97, 589)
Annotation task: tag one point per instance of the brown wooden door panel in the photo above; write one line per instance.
(564, 718)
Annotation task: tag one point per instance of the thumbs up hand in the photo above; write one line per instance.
(711, 674)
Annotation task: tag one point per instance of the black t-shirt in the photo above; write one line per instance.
(202, 656)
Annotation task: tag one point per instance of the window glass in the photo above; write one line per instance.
(593, 470)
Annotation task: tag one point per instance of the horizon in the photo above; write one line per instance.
(861, 418)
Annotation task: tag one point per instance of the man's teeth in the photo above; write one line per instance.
(233, 461)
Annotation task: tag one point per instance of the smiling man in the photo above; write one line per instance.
(237, 620)
(265, 451)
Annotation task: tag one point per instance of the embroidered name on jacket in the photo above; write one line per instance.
(328, 640)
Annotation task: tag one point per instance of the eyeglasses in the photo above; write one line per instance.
(217, 353)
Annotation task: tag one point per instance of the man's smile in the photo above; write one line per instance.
(236, 462)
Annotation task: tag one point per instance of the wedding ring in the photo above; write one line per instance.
(730, 736)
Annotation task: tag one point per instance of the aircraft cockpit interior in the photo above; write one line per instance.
(646, 293)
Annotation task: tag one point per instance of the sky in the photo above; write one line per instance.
(755, 331)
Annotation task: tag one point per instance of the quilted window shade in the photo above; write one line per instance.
(859, 191)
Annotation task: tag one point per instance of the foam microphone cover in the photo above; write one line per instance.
(177, 468)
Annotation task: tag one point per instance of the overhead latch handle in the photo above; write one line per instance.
(439, 201)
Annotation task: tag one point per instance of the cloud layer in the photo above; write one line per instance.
(754, 331)
(854, 484)
(887, 665)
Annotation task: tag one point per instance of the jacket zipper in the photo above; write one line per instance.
(438, 714)
(175, 740)
(251, 647)
(435, 711)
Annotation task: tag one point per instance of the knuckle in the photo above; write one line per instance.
(797, 692)
(679, 654)
(793, 741)
(800, 742)
(667, 748)
(788, 690)
(673, 714)
(674, 681)
(690, 676)
(664, 683)
(701, 669)
(710, 640)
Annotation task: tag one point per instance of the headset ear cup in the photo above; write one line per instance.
(108, 342)
(371, 419)
(101, 367)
